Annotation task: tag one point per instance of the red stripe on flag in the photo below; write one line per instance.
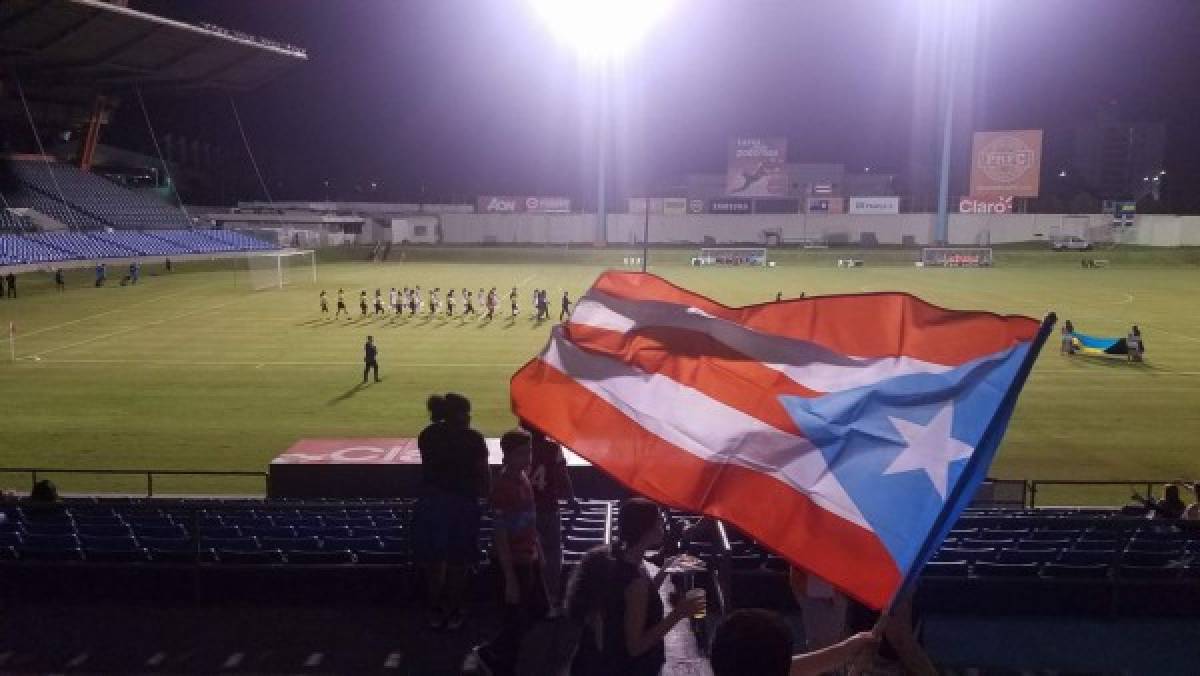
(783, 519)
(885, 324)
(701, 362)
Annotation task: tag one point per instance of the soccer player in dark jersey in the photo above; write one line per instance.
(566, 307)
(433, 301)
(450, 303)
(512, 300)
(324, 303)
(412, 302)
(378, 303)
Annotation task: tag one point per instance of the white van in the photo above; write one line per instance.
(1071, 243)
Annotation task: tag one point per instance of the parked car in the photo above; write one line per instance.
(1071, 243)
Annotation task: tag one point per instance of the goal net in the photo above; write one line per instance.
(957, 257)
(276, 269)
(731, 256)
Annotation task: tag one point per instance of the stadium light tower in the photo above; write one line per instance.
(601, 32)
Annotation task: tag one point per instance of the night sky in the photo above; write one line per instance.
(464, 97)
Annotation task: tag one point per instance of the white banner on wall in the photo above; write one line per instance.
(874, 205)
(675, 206)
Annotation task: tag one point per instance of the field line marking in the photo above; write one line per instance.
(261, 364)
(113, 334)
(108, 312)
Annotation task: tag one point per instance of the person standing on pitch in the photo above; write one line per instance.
(566, 307)
(341, 305)
(370, 359)
(324, 303)
(362, 302)
(2, 292)
(59, 282)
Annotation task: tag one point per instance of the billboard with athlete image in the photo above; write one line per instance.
(756, 167)
(1006, 163)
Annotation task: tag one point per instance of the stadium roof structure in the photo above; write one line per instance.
(101, 45)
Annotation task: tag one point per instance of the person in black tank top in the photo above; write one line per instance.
(616, 602)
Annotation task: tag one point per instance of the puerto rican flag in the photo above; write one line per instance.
(845, 433)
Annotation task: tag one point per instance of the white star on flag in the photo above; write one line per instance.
(929, 448)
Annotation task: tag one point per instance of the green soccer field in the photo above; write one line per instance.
(194, 370)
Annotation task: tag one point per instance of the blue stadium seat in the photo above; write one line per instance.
(109, 543)
(354, 544)
(987, 569)
(256, 557)
(1076, 557)
(174, 530)
(291, 544)
(1075, 572)
(341, 556)
(38, 553)
(323, 531)
(1027, 555)
(382, 558)
(221, 532)
(51, 541)
(269, 531)
(242, 544)
(110, 529)
(946, 569)
(1136, 572)
(136, 555)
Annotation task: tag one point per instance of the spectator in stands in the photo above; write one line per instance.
(551, 483)
(1170, 507)
(12, 285)
(454, 476)
(44, 492)
(518, 558)
(1068, 339)
(59, 282)
(759, 642)
(1192, 513)
(823, 609)
(617, 604)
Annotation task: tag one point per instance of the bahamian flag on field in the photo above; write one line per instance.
(846, 433)
(1091, 345)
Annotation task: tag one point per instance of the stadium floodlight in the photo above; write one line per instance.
(600, 30)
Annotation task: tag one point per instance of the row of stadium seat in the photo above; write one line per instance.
(46, 247)
(11, 222)
(91, 201)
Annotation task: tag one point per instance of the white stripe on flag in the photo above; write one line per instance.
(702, 426)
(808, 364)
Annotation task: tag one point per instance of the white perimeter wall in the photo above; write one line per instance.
(965, 229)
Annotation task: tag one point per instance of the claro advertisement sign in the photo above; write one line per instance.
(1006, 163)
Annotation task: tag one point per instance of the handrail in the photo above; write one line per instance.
(1149, 485)
(148, 473)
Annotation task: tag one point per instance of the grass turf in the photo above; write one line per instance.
(193, 370)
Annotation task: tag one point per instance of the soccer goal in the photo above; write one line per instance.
(731, 256)
(957, 257)
(275, 269)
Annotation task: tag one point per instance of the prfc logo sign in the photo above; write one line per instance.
(1005, 159)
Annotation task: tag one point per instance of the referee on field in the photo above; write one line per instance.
(370, 353)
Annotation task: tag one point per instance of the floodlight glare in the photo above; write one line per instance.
(600, 30)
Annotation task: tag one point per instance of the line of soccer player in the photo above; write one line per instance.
(413, 301)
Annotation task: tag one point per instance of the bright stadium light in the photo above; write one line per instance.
(600, 30)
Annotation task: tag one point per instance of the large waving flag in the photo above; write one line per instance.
(844, 432)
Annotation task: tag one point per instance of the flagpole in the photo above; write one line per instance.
(932, 540)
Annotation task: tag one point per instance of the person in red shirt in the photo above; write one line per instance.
(551, 483)
(518, 558)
